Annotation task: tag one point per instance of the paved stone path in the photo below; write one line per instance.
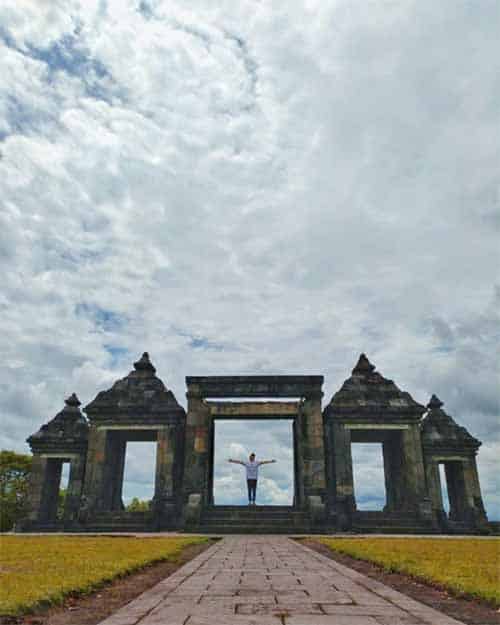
(271, 580)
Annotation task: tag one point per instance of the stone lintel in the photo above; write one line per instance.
(58, 456)
(450, 458)
(376, 426)
(134, 416)
(434, 451)
(364, 412)
(133, 427)
(141, 421)
(254, 409)
(59, 448)
(308, 386)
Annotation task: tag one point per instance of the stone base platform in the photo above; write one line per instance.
(390, 523)
(255, 520)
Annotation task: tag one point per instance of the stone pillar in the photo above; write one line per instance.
(472, 480)
(115, 467)
(314, 451)
(210, 465)
(196, 449)
(196, 454)
(456, 490)
(75, 485)
(314, 470)
(394, 473)
(164, 506)
(298, 465)
(433, 479)
(37, 480)
(95, 472)
(461, 490)
(415, 498)
(50, 490)
(468, 486)
(390, 475)
(343, 476)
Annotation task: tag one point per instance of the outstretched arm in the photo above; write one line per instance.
(267, 461)
(236, 461)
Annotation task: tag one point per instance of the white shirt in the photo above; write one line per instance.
(252, 470)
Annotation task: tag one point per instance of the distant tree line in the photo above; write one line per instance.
(138, 505)
(14, 478)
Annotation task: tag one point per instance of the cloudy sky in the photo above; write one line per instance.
(251, 187)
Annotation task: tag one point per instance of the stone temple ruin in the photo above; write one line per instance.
(368, 408)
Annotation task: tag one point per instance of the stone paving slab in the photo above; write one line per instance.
(271, 580)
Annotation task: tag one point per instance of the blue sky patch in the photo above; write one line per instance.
(117, 354)
(105, 320)
(145, 9)
(67, 55)
(203, 343)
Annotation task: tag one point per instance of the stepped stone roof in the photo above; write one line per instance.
(368, 394)
(139, 398)
(66, 432)
(440, 432)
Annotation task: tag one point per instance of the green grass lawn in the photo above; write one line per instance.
(42, 570)
(466, 567)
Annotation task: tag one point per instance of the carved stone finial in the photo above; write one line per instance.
(73, 401)
(67, 431)
(144, 364)
(435, 403)
(364, 366)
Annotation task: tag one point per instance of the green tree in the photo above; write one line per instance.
(14, 475)
(61, 502)
(138, 505)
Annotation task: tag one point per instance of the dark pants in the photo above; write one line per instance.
(252, 488)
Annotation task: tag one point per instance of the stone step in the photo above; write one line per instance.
(122, 514)
(124, 522)
(396, 529)
(256, 517)
(384, 520)
(45, 527)
(257, 506)
(387, 523)
(369, 514)
(254, 520)
(458, 527)
(391, 525)
(119, 521)
(240, 523)
(112, 523)
(251, 529)
(131, 529)
(253, 511)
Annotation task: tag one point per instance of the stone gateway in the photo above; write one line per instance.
(415, 440)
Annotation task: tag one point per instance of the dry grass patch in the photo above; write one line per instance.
(466, 567)
(36, 571)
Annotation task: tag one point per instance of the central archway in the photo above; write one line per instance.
(268, 439)
(258, 397)
(258, 412)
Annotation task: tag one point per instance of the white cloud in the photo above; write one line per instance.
(243, 188)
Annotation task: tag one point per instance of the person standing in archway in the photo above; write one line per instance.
(252, 469)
